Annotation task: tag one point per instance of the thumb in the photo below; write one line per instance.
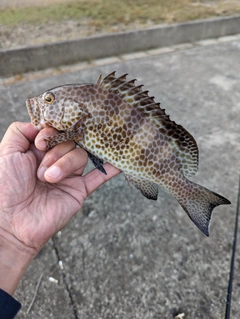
(18, 138)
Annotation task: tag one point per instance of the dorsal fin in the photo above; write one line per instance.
(182, 142)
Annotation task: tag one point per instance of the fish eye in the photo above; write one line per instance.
(49, 97)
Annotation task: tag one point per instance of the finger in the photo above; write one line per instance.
(39, 155)
(18, 138)
(95, 178)
(53, 156)
(74, 161)
(42, 135)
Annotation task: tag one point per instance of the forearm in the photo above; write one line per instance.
(14, 259)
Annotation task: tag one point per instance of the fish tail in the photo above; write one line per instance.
(198, 202)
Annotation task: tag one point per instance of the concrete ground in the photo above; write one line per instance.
(125, 256)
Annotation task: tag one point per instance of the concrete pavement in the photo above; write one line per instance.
(125, 256)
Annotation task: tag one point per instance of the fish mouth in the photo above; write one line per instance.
(34, 113)
(29, 106)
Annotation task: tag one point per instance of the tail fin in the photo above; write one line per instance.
(199, 204)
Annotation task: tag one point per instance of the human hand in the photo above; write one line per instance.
(40, 192)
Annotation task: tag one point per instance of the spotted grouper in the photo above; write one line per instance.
(116, 121)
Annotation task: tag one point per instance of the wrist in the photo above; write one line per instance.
(14, 259)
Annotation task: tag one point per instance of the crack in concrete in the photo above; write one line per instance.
(57, 252)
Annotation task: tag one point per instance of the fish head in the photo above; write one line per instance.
(55, 108)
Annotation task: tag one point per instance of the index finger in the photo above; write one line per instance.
(42, 135)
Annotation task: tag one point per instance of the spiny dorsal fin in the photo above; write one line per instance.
(99, 80)
(182, 142)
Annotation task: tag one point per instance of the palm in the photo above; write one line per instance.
(40, 209)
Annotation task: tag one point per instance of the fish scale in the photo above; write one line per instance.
(114, 120)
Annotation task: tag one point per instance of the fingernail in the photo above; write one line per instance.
(41, 144)
(53, 172)
(40, 173)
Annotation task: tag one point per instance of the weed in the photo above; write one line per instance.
(104, 14)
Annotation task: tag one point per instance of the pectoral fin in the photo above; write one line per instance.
(97, 162)
(60, 138)
(147, 188)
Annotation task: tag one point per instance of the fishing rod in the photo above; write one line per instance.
(230, 282)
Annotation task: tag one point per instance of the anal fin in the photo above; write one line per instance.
(147, 188)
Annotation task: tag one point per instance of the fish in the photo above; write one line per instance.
(116, 121)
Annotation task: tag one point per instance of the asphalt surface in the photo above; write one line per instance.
(127, 257)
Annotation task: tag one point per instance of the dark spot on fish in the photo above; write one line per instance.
(133, 113)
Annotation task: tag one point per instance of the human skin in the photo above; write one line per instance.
(40, 192)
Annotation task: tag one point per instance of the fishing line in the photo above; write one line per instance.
(229, 293)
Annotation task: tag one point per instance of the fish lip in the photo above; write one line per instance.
(30, 103)
(29, 106)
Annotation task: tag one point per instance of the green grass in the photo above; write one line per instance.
(102, 13)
